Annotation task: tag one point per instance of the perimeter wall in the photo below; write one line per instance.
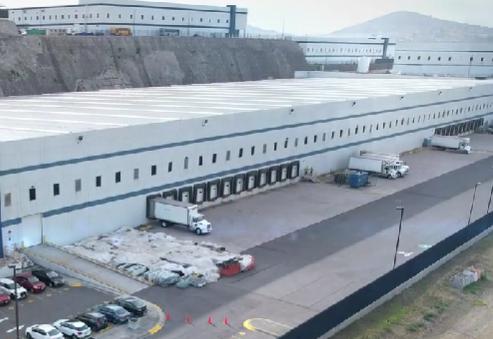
(48, 64)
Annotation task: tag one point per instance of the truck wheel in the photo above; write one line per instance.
(198, 231)
(164, 224)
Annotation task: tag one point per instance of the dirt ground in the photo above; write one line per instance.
(433, 309)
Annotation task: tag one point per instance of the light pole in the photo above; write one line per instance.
(16, 301)
(489, 202)
(398, 235)
(472, 204)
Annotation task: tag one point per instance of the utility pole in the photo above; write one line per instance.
(472, 204)
(398, 235)
(16, 302)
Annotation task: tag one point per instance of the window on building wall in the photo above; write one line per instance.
(364, 128)
(333, 134)
(264, 148)
(56, 189)
(7, 200)
(131, 16)
(201, 19)
(240, 153)
(252, 150)
(376, 127)
(98, 181)
(170, 166)
(119, 16)
(296, 142)
(152, 17)
(286, 143)
(201, 160)
(32, 194)
(228, 155)
(185, 163)
(78, 185)
(163, 18)
(449, 58)
(275, 146)
(182, 19)
(62, 16)
(383, 125)
(136, 174)
(153, 170)
(356, 130)
(75, 16)
(306, 140)
(173, 18)
(399, 57)
(107, 15)
(214, 158)
(471, 59)
(118, 177)
(429, 58)
(324, 136)
(348, 132)
(341, 133)
(439, 58)
(315, 137)
(402, 122)
(142, 17)
(419, 57)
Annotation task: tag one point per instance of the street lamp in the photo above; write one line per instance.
(16, 301)
(472, 204)
(398, 235)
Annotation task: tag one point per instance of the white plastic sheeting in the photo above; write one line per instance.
(169, 260)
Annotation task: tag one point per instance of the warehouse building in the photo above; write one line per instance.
(79, 164)
(344, 51)
(445, 59)
(142, 18)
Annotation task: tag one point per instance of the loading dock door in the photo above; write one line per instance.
(294, 171)
(227, 189)
(213, 192)
(30, 231)
(251, 182)
(284, 173)
(239, 185)
(185, 196)
(262, 180)
(200, 195)
(273, 176)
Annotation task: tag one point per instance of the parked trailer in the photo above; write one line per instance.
(401, 166)
(179, 213)
(451, 142)
(379, 167)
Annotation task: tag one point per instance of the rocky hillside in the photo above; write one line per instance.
(35, 65)
(410, 26)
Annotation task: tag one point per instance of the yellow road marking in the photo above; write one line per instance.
(155, 329)
(77, 284)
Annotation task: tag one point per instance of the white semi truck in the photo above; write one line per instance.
(170, 212)
(395, 159)
(451, 142)
(381, 167)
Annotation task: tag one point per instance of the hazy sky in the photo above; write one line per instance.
(324, 16)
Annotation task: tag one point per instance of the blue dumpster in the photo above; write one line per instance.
(358, 179)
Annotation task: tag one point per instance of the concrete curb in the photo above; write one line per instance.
(159, 325)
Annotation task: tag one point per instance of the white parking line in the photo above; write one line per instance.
(3, 319)
(13, 329)
(405, 254)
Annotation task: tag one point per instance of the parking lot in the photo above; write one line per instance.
(49, 306)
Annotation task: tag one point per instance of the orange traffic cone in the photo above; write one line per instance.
(168, 316)
(188, 319)
(226, 321)
(210, 321)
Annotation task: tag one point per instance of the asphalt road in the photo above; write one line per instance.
(47, 307)
(283, 256)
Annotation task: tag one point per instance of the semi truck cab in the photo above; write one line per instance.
(200, 225)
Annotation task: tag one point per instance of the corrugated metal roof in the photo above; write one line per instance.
(52, 114)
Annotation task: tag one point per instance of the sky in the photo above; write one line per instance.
(311, 17)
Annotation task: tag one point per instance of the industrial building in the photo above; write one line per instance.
(78, 164)
(340, 51)
(142, 18)
(444, 59)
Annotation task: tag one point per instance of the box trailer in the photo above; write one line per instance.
(451, 142)
(170, 212)
(379, 167)
(394, 159)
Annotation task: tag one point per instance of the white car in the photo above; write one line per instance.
(8, 286)
(73, 328)
(44, 331)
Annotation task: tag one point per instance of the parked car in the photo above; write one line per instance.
(95, 320)
(30, 282)
(115, 313)
(134, 305)
(8, 286)
(44, 331)
(4, 299)
(73, 328)
(50, 278)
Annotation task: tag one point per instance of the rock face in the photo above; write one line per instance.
(47, 64)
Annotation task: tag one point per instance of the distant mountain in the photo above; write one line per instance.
(411, 26)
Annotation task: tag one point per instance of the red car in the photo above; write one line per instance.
(30, 282)
(4, 299)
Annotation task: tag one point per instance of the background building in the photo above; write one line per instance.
(444, 59)
(142, 18)
(79, 164)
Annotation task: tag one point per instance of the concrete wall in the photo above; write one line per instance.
(36, 65)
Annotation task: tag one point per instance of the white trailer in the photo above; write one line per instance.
(394, 159)
(379, 167)
(179, 213)
(451, 142)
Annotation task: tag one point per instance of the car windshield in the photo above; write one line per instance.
(52, 274)
(120, 311)
(53, 332)
(10, 286)
(33, 279)
(80, 326)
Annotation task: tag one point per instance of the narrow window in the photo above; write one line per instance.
(324, 136)
(306, 140)
(275, 146)
(348, 132)
(78, 185)
(364, 128)
(153, 170)
(240, 153)
(56, 189)
(32, 194)
(383, 125)
(228, 155)
(333, 135)
(376, 127)
(264, 148)
(170, 167)
(341, 132)
(118, 177)
(315, 137)
(214, 158)
(286, 143)
(201, 160)
(252, 150)
(98, 181)
(296, 142)
(7, 199)
(185, 163)
(356, 130)
(136, 174)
